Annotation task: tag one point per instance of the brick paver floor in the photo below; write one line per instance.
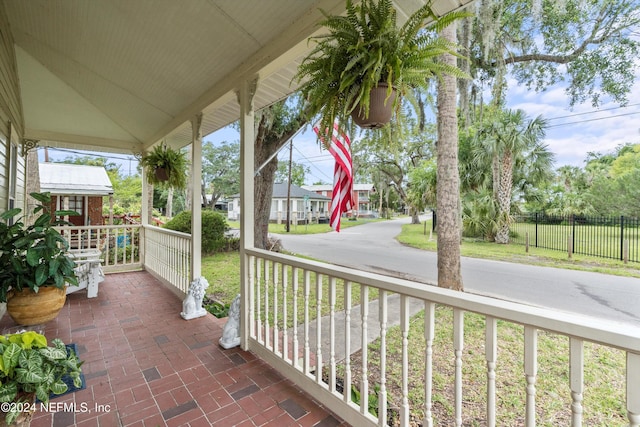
(146, 366)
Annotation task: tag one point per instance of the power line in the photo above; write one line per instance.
(593, 120)
(592, 112)
(312, 163)
(87, 153)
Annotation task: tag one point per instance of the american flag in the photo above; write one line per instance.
(339, 147)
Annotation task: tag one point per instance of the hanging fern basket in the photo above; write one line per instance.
(380, 108)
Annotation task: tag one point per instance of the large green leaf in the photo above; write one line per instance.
(33, 375)
(54, 353)
(42, 274)
(10, 357)
(8, 391)
(58, 387)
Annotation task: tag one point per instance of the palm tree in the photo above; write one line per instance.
(448, 178)
(511, 145)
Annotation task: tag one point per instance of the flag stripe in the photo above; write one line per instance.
(341, 198)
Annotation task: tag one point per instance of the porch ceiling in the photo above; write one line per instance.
(120, 75)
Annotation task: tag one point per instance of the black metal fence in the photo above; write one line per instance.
(605, 237)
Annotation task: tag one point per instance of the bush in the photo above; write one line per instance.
(214, 225)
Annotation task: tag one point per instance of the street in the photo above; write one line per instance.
(372, 247)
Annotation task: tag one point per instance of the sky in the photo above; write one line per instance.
(571, 134)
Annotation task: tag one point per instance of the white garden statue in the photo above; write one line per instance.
(231, 331)
(192, 304)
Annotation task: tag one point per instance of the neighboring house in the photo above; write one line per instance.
(361, 196)
(304, 203)
(79, 188)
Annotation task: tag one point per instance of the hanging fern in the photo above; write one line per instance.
(366, 47)
(173, 161)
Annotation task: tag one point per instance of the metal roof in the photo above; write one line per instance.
(121, 75)
(68, 179)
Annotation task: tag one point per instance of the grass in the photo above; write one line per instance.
(604, 367)
(311, 228)
(414, 235)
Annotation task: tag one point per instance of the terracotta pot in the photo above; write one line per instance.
(161, 174)
(29, 308)
(380, 112)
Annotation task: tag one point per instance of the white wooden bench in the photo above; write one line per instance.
(88, 270)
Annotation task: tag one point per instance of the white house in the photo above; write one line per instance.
(305, 205)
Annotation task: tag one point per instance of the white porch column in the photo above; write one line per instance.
(196, 204)
(247, 172)
(145, 210)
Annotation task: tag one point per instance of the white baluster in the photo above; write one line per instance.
(530, 371)
(404, 328)
(252, 297)
(382, 396)
(307, 290)
(429, 322)
(633, 389)
(285, 305)
(318, 328)
(276, 330)
(364, 315)
(294, 353)
(267, 277)
(491, 356)
(458, 345)
(576, 373)
(259, 263)
(347, 341)
(332, 334)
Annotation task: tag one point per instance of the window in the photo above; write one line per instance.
(13, 173)
(76, 203)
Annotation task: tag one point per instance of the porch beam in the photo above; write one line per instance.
(196, 196)
(247, 200)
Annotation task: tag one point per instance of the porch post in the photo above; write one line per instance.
(196, 204)
(144, 214)
(247, 168)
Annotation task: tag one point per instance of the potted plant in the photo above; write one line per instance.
(366, 56)
(165, 165)
(34, 266)
(32, 369)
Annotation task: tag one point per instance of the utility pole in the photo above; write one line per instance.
(289, 188)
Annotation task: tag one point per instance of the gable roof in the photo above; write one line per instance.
(280, 192)
(68, 179)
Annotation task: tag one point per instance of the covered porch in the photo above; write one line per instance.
(122, 76)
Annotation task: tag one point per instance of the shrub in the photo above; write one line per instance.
(214, 225)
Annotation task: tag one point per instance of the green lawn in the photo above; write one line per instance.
(311, 228)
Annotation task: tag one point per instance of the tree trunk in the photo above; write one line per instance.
(465, 65)
(448, 178)
(269, 139)
(504, 198)
(169, 206)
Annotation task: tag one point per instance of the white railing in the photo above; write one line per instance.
(119, 244)
(297, 306)
(167, 255)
